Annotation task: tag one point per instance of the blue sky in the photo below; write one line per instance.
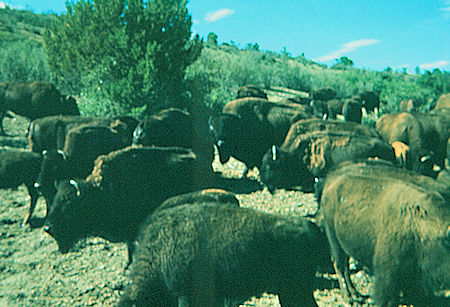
(375, 34)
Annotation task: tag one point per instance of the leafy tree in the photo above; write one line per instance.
(343, 63)
(211, 41)
(133, 53)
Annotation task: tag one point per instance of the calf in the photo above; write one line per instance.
(20, 167)
(398, 230)
(205, 253)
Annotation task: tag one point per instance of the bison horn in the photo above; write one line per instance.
(76, 186)
(44, 152)
(425, 158)
(62, 153)
(274, 152)
(210, 125)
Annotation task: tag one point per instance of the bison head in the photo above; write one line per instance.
(70, 218)
(280, 170)
(227, 132)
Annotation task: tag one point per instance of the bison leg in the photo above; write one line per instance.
(2, 130)
(341, 266)
(297, 297)
(34, 195)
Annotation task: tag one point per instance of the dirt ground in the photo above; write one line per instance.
(34, 273)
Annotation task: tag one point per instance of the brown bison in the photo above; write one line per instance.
(34, 100)
(317, 124)
(248, 127)
(303, 157)
(443, 101)
(206, 254)
(406, 128)
(398, 230)
(425, 134)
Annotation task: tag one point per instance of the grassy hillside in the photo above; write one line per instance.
(215, 77)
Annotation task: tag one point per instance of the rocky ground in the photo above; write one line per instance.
(34, 273)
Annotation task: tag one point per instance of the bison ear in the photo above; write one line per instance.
(76, 186)
(274, 152)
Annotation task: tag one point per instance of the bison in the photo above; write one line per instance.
(425, 134)
(204, 254)
(323, 94)
(385, 169)
(217, 196)
(406, 128)
(83, 145)
(248, 127)
(250, 91)
(173, 128)
(34, 100)
(408, 105)
(20, 167)
(303, 157)
(398, 230)
(443, 101)
(49, 133)
(317, 124)
(124, 187)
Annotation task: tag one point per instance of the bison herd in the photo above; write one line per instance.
(382, 190)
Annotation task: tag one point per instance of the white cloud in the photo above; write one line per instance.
(433, 65)
(3, 5)
(445, 9)
(346, 48)
(217, 15)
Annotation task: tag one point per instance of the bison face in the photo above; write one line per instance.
(52, 169)
(227, 132)
(276, 170)
(66, 221)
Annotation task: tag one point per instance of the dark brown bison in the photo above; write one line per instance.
(323, 94)
(250, 91)
(124, 187)
(217, 196)
(174, 128)
(248, 127)
(20, 167)
(83, 145)
(34, 100)
(303, 157)
(398, 230)
(206, 254)
(49, 133)
(370, 100)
